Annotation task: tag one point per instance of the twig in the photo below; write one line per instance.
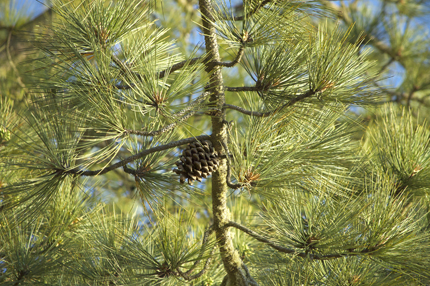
(187, 274)
(243, 88)
(411, 93)
(206, 235)
(197, 101)
(138, 156)
(169, 127)
(250, 13)
(161, 74)
(260, 238)
(390, 92)
(126, 70)
(386, 65)
(28, 25)
(178, 66)
(18, 79)
(251, 280)
(228, 178)
(380, 45)
(269, 113)
(132, 171)
(292, 251)
(235, 61)
(401, 95)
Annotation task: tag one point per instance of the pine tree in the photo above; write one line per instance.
(273, 180)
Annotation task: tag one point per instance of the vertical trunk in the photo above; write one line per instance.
(230, 257)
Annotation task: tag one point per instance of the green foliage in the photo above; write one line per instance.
(299, 145)
(404, 157)
(311, 188)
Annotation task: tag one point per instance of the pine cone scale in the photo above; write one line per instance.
(198, 161)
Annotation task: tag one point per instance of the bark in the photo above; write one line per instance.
(236, 271)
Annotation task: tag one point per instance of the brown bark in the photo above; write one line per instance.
(236, 273)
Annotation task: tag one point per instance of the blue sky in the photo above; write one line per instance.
(29, 7)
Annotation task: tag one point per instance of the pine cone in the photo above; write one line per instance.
(197, 161)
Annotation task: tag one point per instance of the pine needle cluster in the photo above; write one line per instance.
(309, 188)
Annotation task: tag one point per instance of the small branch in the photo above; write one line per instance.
(169, 127)
(269, 113)
(248, 112)
(125, 69)
(27, 27)
(139, 155)
(162, 130)
(402, 95)
(228, 177)
(178, 66)
(390, 92)
(229, 182)
(380, 45)
(197, 101)
(386, 65)
(132, 172)
(243, 88)
(262, 239)
(235, 61)
(419, 100)
(292, 251)
(411, 93)
(161, 74)
(251, 281)
(12, 64)
(156, 132)
(206, 236)
(250, 13)
(124, 86)
(187, 274)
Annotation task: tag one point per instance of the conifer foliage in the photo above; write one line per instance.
(244, 159)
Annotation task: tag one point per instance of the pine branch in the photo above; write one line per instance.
(252, 12)
(187, 274)
(230, 184)
(235, 61)
(385, 66)
(269, 113)
(16, 39)
(243, 88)
(380, 45)
(130, 159)
(398, 96)
(178, 66)
(292, 251)
(161, 74)
(411, 93)
(125, 70)
(169, 127)
(12, 64)
(206, 235)
(262, 239)
(197, 101)
(136, 173)
(162, 130)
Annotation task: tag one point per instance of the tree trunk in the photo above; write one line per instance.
(236, 273)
